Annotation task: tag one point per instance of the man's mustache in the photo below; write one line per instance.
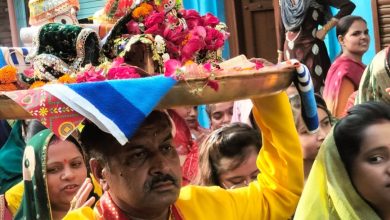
(160, 178)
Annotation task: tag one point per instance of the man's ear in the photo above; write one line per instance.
(99, 172)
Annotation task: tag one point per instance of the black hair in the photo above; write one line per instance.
(230, 141)
(345, 23)
(322, 105)
(33, 127)
(349, 131)
(101, 145)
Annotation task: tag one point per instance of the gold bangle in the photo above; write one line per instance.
(279, 52)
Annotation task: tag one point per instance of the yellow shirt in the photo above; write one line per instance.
(276, 193)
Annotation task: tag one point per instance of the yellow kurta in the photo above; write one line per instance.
(276, 193)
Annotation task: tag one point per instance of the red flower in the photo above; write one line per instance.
(207, 66)
(213, 84)
(122, 72)
(172, 20)
(192, 18)
(194, 43)
(172, 49)
(259, 64)
(175, 35)
(214, 39)
(90, 75)
(210, 20)
(170, 67)
(156, 29)
(117, 62)
(133, 27)
(153, 19)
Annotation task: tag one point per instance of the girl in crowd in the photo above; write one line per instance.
(299, 35)
(227, 157)
(345, 73)
(219, 114)
(311, 142)
(53, 171)
(350, 177)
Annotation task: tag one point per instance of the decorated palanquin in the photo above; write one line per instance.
(155, 48)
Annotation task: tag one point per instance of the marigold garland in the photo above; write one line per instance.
(8, 74)
(37, 84)
(8, 87)
(67, 79)
(142, 11)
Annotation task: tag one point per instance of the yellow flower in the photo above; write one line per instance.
(43, 111)
(8, 74)
(67, 79)
(37, 84)
(7, 87)
(142, 11)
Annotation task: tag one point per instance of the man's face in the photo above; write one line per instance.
(145, 174)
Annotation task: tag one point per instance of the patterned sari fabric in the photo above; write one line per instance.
(36, 202)
(375, 79)
(342, 68)
(10, 156)
(301, 42)
(329, 193)
(185, 147)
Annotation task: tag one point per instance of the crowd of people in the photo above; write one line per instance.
(257, 160)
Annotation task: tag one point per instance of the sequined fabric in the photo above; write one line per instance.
(62, 49)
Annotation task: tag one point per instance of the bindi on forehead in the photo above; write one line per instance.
(65, 161)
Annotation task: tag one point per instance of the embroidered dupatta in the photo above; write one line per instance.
(35, 202)
(375, 79)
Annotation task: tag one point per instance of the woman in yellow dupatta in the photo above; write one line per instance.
(337, 187)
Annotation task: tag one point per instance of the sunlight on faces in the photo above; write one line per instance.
(241, 176)
(356, 40)
(145, 174)
(66, 172)
(311, 142)
(370, 171)
(220, 114)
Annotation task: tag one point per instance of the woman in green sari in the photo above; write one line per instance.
(375, 79)
(53, 171)
(350, 178)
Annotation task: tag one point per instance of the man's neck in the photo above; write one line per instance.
(109, 208)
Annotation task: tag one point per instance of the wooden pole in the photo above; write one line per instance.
(12, 22)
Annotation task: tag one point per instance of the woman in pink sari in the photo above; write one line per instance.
(345, 73)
